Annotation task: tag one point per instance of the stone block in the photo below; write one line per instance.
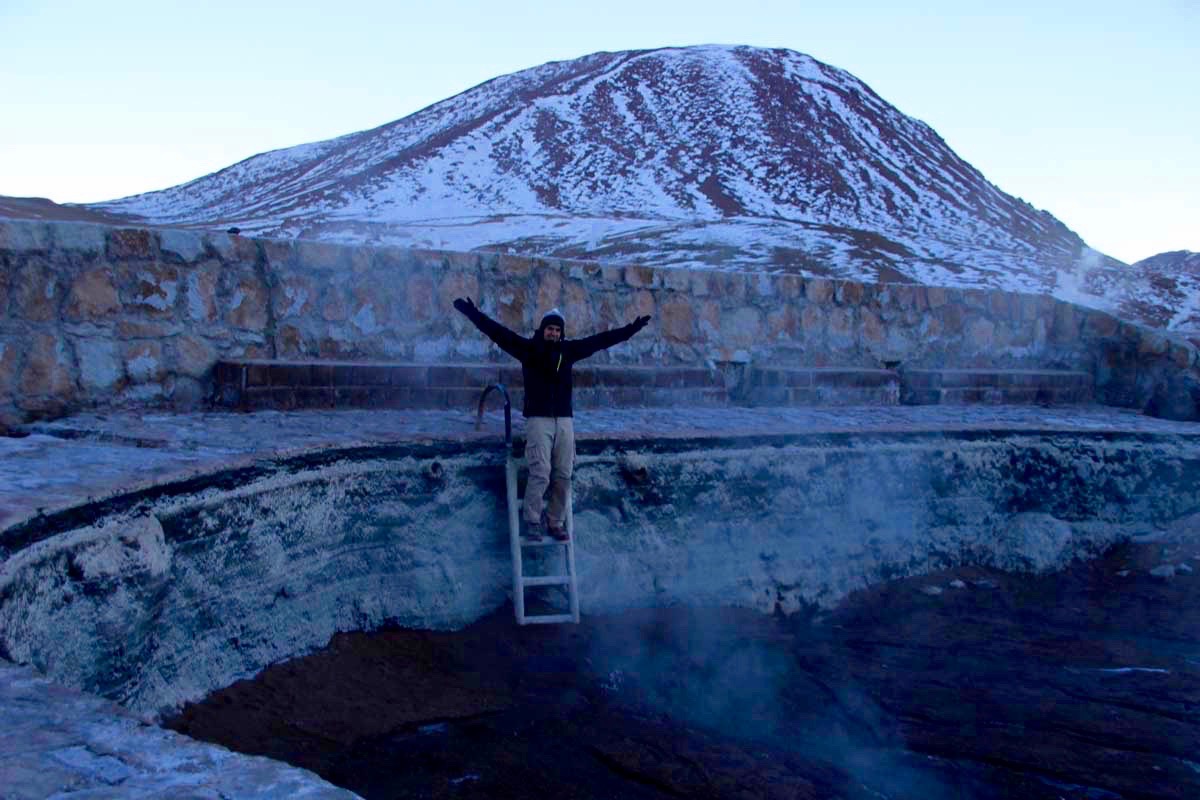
(871, 327)
(25, 236)
(455, 284)
(146, 329)
(368, 313)
(936, 296)
(233, 249)
(763, 284)
(678, 280)
(742, 328)
(200, 292)
(1100, 324)
(790, 287)
(37, 291)
(980, 334)
(322, 256)
(48, 369)
(677, 320)
(976, 299)
(193, 356)
(79, 237)
(419, 295)
(849, 293)
(100, 364)
(295, 296)
(186, 394)
(510, 310)
(132, 244)
(279, 254)
(639, 276)
(1003, 305)
(92, 296)
(144, 361)
(549, 289)
(1065, 328)
(840, 330)
(185, 246)
(334, 306)
(783, 323)
(11, 349)
(246, 307)
(149, 289)
(818, 290)
(951, 318)
(577, 308)
(514, 266)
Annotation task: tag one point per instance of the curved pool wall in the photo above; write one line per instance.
(158, 598)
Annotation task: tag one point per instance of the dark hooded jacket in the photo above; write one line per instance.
(546, 366)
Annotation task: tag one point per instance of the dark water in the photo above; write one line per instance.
(1081, 684)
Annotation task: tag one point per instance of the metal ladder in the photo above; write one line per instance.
(517, 545)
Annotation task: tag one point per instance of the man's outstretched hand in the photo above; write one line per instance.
(640, 323)
(464, 305)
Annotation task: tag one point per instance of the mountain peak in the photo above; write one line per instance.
(712, 156)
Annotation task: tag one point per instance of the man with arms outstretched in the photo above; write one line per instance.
(546, 362)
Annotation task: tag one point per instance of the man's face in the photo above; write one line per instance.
(552, 332)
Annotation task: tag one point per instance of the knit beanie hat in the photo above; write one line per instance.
(553, 317)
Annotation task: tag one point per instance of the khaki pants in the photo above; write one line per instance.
(550, 452)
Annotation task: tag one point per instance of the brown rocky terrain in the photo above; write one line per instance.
(968, 684)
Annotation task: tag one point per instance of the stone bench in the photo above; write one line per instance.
(820, 386)
(283, 385)
(995, 386)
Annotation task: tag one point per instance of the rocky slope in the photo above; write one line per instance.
(709, 157)
(1166, 293)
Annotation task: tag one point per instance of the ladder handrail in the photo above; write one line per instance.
(507, 412)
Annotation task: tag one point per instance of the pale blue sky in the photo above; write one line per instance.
(1090, 110)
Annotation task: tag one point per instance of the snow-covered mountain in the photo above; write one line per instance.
(1166, 292)
(704, 157)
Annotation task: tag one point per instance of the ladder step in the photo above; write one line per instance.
(546, 619)
(547, 580)
(543, 543)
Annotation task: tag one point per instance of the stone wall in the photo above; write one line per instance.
(96, 316)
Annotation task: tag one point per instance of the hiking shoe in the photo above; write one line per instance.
(533, 532)
(558, 532)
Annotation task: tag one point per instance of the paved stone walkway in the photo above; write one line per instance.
(58, 743)
(66, 462)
